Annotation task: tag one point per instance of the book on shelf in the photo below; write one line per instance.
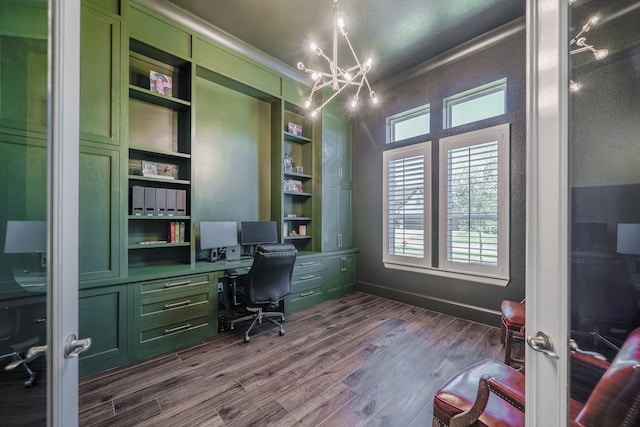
(177, 231)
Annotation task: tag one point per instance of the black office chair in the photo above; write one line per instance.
(267, 284)
(9, 328)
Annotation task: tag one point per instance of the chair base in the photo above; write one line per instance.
(16, 356)
(257, 318)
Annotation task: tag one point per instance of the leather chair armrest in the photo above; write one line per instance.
(486, 386)
(586, 371)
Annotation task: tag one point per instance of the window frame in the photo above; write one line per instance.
(424, 149)
(469, 95)
(403, 116)
(501, 134)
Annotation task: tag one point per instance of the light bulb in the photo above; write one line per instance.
(348, 76)
(313, 46)
(601, 54)
(341, 22)
(315, 76)
(300, 66)
(574, 86)
(314, 113)
(594, 20)
(354, 102)
(368, 62)
(307, 104)
(374, 97)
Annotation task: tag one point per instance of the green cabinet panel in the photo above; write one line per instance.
(235, 67)
(99, 77)
(112, 6)
(339, 275)
(102, 316)
(23, 65)
(153, 30)
(99, 213)
(294, 92)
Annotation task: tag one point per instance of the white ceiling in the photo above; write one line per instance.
(397, 34)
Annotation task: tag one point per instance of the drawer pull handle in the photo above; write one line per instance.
(173, 285)
(308, 276)
(306, 294)
(177, 304)
(177, 329)
(304, 264)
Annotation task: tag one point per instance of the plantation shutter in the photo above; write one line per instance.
(406, 206)
(473, 204)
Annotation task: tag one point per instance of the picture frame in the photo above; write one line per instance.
(160, 83)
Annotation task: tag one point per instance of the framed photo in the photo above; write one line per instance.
(160, 83)
(149, 168)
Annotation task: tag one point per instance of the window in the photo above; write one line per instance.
(407, 205)
(474, 202)
(476, 104)
(408, 124)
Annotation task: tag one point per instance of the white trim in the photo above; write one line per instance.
(547, 262)
(62, 205)
(467, 277)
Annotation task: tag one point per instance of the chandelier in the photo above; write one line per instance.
(338, 78)
(579, 44)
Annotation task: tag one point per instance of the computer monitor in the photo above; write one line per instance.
(257, 232)
(28, 237)
(217, 236)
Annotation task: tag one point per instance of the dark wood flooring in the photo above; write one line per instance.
(356, 361)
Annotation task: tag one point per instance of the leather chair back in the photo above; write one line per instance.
(269, 279)
(615, 401)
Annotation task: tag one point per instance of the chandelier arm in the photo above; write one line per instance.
(353, 52)
(583, 49)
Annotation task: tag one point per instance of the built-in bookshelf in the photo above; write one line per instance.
(159, 178)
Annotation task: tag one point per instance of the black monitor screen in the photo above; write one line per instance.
(257, 232)
(218, 234)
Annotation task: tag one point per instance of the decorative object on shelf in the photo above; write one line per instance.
(292, 215)
(293, 185)
(288, 162)
(294, 128)
(299, 169)
(158, 170)
(160, 83)
(302, 230)
(338, 77)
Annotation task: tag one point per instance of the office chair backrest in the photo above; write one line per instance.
(269, 279)
(615, 401)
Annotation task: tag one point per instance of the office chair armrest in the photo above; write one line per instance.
(486, 386)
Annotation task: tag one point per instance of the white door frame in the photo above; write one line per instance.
(547, 209)
(62, 208)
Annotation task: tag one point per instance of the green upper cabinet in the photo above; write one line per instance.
(23, 69)
(337, 192)
(99, 77)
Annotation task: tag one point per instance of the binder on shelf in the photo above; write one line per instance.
(171, 202)
(182, 232)
(161, 201)
(137, 200)
(181, 202)
(149, 201)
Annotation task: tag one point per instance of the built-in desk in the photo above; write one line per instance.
(155, 309)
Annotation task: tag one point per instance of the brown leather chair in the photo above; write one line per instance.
(513, 320)
(490, 393)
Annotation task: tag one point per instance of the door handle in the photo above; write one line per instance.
(73, 347)
(542, 343)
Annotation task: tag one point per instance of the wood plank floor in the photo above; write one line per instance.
(356, 361)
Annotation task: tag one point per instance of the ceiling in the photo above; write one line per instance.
(396, 34)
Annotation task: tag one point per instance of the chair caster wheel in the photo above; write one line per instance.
(282, 320)
(245, 339)
(29, 383)
(281, 332)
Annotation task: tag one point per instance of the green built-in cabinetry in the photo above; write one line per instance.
(337, 187)
(339, 274)
(307, 283)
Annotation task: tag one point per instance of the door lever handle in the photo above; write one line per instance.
(542, 343)
(73, 347)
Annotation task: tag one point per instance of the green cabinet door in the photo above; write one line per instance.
(99, 213)
(339, 275)
(100, 76)
(102, 316)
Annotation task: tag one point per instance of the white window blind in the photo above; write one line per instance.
(474, 202)
(406, 193)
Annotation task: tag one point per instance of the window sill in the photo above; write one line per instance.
(486, 280)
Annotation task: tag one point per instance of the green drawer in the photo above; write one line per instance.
(306, 282)
(169, 285)
(304, 264)
(155, 308)
(303, 299)
(171, 334)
